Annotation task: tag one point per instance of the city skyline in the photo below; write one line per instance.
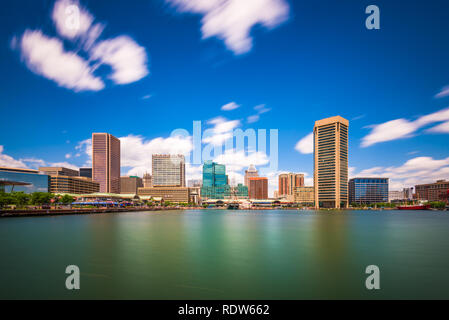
(400, 111)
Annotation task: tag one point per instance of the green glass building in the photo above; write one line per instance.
(215, 181)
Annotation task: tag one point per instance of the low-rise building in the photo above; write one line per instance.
(167, 193)
(73, 185)
(25, 180)
(59, 171)
(130, 184)
(394, 196)
(368, 190)
(304, 195)
(432, 191)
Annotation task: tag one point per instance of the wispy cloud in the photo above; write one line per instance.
(443, 93)
(230, 106)
(403, 128)
(232, 20)
(261, 109)
(47, 57)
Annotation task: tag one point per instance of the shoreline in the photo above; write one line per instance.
(60, 212)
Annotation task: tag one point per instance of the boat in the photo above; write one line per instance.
(415, 207)
(233, 206)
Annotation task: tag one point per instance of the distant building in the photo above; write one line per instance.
(168, 170)
(408, 193)
(86, 172)
(106, 162)
(147, 180)
(433, 191)
(258, 188)
(396, 196)
(215, 181)
(239, 192)
(288, 182)
(167, 193)
(251, 172)
(130, 184)
(72, 184)
(195, 183)
(331, 162)
(61, 171)
(368, 190)
(25, 180)
(304, 195)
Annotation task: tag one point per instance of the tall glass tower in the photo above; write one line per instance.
(215, 181)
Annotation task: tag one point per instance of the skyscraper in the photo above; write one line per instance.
(106, 162)
(331, 162)
(258, 188)
(168, 170)
(215, 181)
(250, 173)
(288, 182)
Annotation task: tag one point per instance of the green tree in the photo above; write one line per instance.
(66, 199)
(41, 198)
(20, 199)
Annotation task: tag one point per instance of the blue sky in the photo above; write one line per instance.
(159, 65)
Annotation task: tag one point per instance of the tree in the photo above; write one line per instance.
(20, 199)
(66, 199)
(41, 198)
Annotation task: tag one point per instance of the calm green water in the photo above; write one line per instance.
(212, 254)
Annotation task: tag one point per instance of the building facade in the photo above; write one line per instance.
(433, 191)
(288, 182)
(23, 180)
(215, 181)
(368, 190)
(168, 170)
(106, 162)
(258, 188)
(74, 185)
(147, 180)
(86, 172)
(130, 184)
(304, 195)
(331, 162)
(59, 171)
(396, 196)
(251, 172)
(167, 193)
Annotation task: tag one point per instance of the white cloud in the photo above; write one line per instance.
(127, 59)
(415, 171)
(230, 106)
(65, 165)
(232, 20)
(443, 93)
(8, 161)
(253, 118)
(402, 128)
(68, 155)
(70, 19)
(441, 128)
(261, 109)
(305, 145)
(46, 57)
(222, 130)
